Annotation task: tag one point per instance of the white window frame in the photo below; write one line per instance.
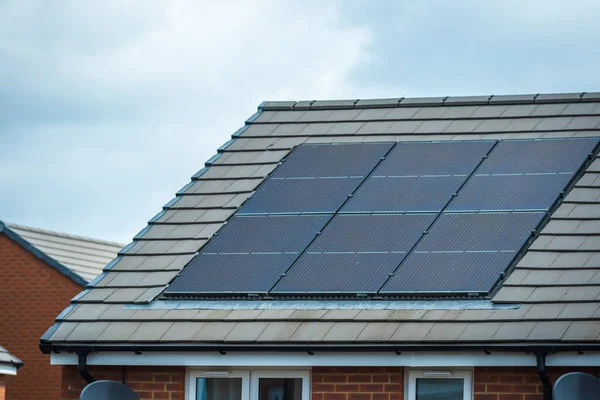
(413, 374)
(210, 373)
(250, 379)
(257, 374)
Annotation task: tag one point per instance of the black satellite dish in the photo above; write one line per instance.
(108, 390)
(576, 386)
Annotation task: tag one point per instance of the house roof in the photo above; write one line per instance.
(552, 296)
(8, 359)
(80, 258)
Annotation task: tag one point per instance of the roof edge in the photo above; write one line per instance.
(539, 98)
(41, 255)
(65, 235)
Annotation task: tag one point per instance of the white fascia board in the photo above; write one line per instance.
(8, 369)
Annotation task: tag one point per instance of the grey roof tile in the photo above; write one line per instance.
(87, 312)
(481, 332)
(400, 127)
(522, 110)
(125, 295)
(211, 314)
(445, 331)
(544, 311)
(509, 314)
(493, 125)
(546, 294)
(582, 331)
(436, 315)
(558, 97)
(375, 127)
(524, 124)
(345, 128)
(580, 109)
(311, 331)
(117, 312)
(180, 314)
(147, 314)
(579, 310)
(375, 103)
(373, 114)
(489, 111)
(463, 126)
(513, 99)
(344, 331)
(553, 124)
(303, 104)
(242, 314)
(278, 331)
(63, 330)
(308, 314)
(411, 331)
(433, 126)
(544, 110)
(584, 123)
(315, 116)
(118, 331)
(340, 314)
(213, 331)
(149, 295)
(286, 116)
(275, 314)
(459, 112)
(87, 331)
(315, 129)
(373, 315)
(288, 130)
(377, 332)
(429, 113)
(406, 315)
(97, 295)
(514, 331)
(343, 115)
(512, 294)
(257, 130)
(181, 332)
(150, 331)
(580, 293)
(548, 330)
(402, 113)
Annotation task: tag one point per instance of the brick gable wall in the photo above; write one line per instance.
(32, 294)
(329, 383)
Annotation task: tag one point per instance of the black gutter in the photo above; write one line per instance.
(540, 357)
(82, 367)
(48, 348)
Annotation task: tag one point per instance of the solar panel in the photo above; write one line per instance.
(440, 158)
(538, 156)
(371, 233)
(510, 192)
(332, 160)
(296, 196)
(267, 233)
(407, 219)
(452, 258)
(457, 273)
(231, 273)
(408, 194)
(338, 273)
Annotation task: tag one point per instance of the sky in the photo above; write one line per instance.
(107, 108)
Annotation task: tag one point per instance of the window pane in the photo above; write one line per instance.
(434, 389)
(280, 389)
(219, 389)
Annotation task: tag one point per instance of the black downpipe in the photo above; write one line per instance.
(543, 375)
(82, 367)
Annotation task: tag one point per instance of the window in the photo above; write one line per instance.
(438, 384)
(256, 384)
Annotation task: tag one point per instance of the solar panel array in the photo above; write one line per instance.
(388, 219)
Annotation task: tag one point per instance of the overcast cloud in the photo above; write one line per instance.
(108, 107)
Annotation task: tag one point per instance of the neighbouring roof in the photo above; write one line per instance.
(80, 258)
(8, 359)
(552, 296)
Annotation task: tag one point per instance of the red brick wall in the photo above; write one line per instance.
(165, 383)
(329, 383)
(32, 294)
(516, 383)
(357, 383)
